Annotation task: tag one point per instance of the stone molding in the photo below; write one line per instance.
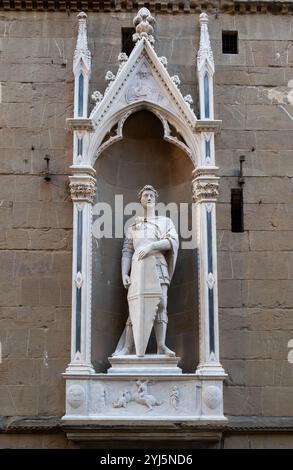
(80, 124)
(189, 6)
(206, 125)
(53, 424)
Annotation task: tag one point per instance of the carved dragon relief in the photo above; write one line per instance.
(140, 395)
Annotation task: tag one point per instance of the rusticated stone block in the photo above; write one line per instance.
(265, 117)
(267, 293)
(259, 265)
(261, 372)
(267, 190)
(257, 162)
(33, 316)
(223, 216)
(268, 216)
(25, 399)
(233, 319)
(63, 319)
(239, 344)
(271, 241)
(276, 401)
(256, 441)
(35, 441)
(58, 344)
(24, 372)
(230, 293)
(7, 405)
(242, 401)
(30, 292)
(50, 291)
(230, 241)
(51, 400)
(52, 239)
(17, 342)
(37, 343)
(236, 371)
(41, 215)
(249, 75)
(14, 239)
(52, 371)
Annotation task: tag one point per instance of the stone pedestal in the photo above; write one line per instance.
(127, 398)
(146, 389)
(145, 365)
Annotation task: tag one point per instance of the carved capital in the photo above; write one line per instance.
(205, 185)
(83, 189)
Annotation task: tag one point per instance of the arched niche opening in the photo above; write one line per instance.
(142, 157)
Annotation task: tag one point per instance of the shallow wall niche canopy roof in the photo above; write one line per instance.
(177, 6)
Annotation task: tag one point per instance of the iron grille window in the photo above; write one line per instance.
(230, 42)
(237, 223)
(127, 43)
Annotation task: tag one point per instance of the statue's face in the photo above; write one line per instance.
(148, 199)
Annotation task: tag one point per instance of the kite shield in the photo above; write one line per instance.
(144, 296)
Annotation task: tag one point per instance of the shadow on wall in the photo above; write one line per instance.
(142, 157)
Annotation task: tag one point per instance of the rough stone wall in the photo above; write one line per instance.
(253, 97)
(36, 216)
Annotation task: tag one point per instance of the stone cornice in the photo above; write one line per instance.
(30, 424)
(177, 6)
(235, 424)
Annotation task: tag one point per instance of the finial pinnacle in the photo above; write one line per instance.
(143, 23)
(205, 52)
(82, 15)
(203, 18)
(82, 50)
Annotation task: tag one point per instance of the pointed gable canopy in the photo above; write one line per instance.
(143, 82)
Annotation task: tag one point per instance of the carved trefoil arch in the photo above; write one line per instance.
(143, 82)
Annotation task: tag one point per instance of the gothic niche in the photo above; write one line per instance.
(122, 168)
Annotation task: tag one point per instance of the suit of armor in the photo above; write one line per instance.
(145, 232)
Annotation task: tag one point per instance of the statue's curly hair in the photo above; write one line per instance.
(148, 187)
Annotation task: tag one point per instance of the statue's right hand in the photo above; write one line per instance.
(126, 280)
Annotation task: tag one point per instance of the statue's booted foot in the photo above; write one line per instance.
(166, 351)
(122, 352)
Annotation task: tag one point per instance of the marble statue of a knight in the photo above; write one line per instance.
(148, 261)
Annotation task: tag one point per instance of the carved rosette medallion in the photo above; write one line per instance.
(212, 396)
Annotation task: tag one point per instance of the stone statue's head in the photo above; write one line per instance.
(148, 195)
